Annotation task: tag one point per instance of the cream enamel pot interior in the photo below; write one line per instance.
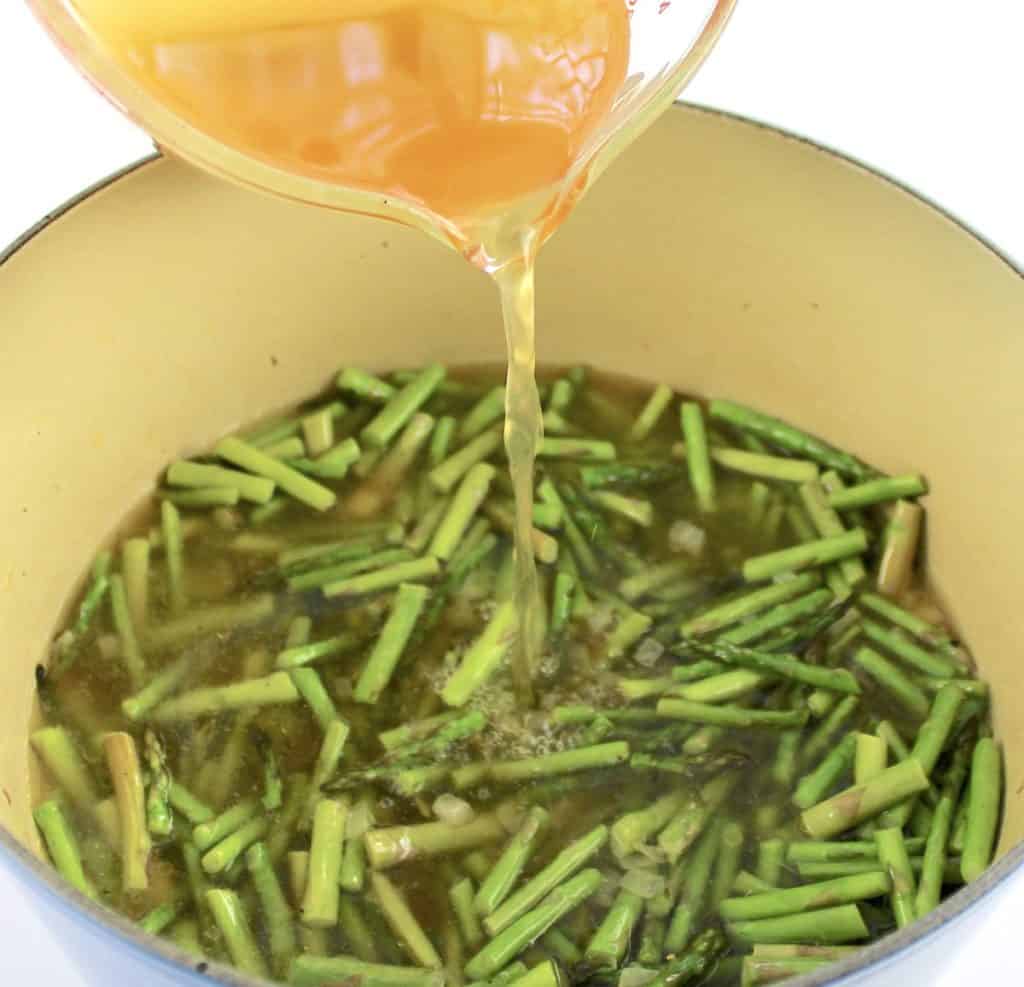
(166, 307)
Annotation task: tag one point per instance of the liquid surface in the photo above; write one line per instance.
(635, 565)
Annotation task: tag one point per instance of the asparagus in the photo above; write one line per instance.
(611, 940)
(724, 615)
(930, 741)
(403, 923)
(212, 832)
(872, 492)
(769, 970)
(814, 786)
(496, 886)
(402, 405)
(158, 791)
(800, 900)
(733, 684)
(462, 898)
(256, 489)
(62, 845)
(322, 576)
(440, 440)
(899, 548)
(322, 971)
(597, 476)
(635, 828)
(695, 888)
(353, 856)
(727, 866)
(233, 923)
(790, 439)
(320, 901)
(277, 915)
(771, 858)
(859, 803)
(929, 888)
(828, 524)
(483, 657)
(222, 857)
(565, 864)
(417, 570)
(358, 934)
(464, 504)
(589, 450)
(446, 474)
(204, 497)
(807, 555)
(296, 656)
(892, 855)
(394, 845)
(928, 634)
(158, 919)
(929, 663)
(124, 625)
(364, 385)
(734, 716)
(327, 760)
(126, 776)
(561, 947)
(488, 410)
(694, 964)
(269, 691)
(61, 758)
(984, 796)
(387, 652)
(890, 678)
(253, 460)
(698, 459)
(508, 943)
(782, 666)
(545, 765)
(211, 620)
(185, 803)
(841, 924)
(822, 738)
(652, 411)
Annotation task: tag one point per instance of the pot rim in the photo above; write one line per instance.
(173, 957)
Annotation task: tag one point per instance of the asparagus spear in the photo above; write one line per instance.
(403, 923)
(892, 855)
(126, 775)
(394, 845)
(566, 863)
(784, 436)
(501, 878)
(277, 914)
(62, 845)
(984, 796)
(230, 916)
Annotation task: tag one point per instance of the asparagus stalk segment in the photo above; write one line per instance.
(62, 845)
(387, 652)
(984, 796)
(501, 878)
(403, 923)
(508, 943)
(233, 922)
(566, 863)
(855, 805)
(320, 901)
(126, 776)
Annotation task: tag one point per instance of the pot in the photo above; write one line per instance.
(165, 308)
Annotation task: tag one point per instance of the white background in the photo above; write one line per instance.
(926, 90)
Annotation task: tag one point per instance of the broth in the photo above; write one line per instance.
(623, 519)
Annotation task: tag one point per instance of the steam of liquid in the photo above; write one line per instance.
(523, 432)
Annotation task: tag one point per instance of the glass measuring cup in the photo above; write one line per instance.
(668, 39)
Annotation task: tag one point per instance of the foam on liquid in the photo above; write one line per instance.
(472, 110)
